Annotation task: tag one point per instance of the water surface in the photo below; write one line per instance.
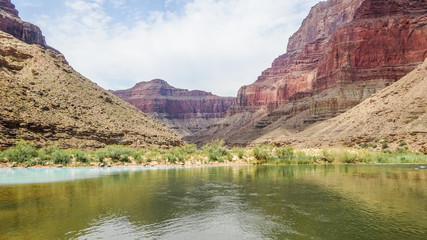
(250, 202)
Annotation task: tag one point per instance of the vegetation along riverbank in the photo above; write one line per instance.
(25, 154)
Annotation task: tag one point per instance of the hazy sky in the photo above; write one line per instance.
(211, 45)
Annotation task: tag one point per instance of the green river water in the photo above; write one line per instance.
(249, 202)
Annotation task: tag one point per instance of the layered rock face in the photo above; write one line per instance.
(7, 7)
(12, 24)
(342, 43)
(295, 72)
(344, 52)
(397, 114)
(184, 111)
(45, 101)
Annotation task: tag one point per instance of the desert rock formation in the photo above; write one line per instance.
(12, 24)
(179, 109)
(397, 114)
(344, 52)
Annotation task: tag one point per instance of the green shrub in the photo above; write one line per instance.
(380, 159)
(404, 157)
(216, 151)
(368, 145)
(262, 153)
(116, 153)
(384, 144)
(45, 154)
(188, 149)
(214, 156)
(180, 154)
(170, 158)
(101, 156)
(61, 157)
(240, 152)
(80, 156)
(137, 156)
(342, 155)
(153, 154)
(402, 144)
(285, 153)
(124, 158)
(22, 152)
(304, 158)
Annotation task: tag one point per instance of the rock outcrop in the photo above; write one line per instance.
(396, 114)
(45, 101)
(12, 24)
(344, 52)
(182, 110)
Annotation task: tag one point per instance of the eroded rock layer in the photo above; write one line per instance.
(344, 52)
(182, 110)
(12, 24)
(396, 115)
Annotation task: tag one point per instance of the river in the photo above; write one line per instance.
(236, 202)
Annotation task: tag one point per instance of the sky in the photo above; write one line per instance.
(211, 45)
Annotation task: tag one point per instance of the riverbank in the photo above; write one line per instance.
(25, 154)
(131, 164)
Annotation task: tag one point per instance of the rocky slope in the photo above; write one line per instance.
(344, 52)
(42, 99)
(184, 111)
(397, 114)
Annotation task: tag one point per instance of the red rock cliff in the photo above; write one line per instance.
(157, 96)
(354, 47)
(176, 106)
(344, 51)
(12, 24)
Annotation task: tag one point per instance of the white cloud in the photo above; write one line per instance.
(213, 45)
(118, 3)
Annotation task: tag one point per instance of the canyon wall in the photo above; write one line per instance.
(343, 52)
(182, 110)
(396, 115)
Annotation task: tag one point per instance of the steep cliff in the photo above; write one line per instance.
(344, 52)
(184, 111)
(42, 99)
(397, 114)
(12, 24)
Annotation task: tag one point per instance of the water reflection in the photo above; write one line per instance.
(10, 176)
(253, 202)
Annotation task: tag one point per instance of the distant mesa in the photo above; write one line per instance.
(182, 110)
